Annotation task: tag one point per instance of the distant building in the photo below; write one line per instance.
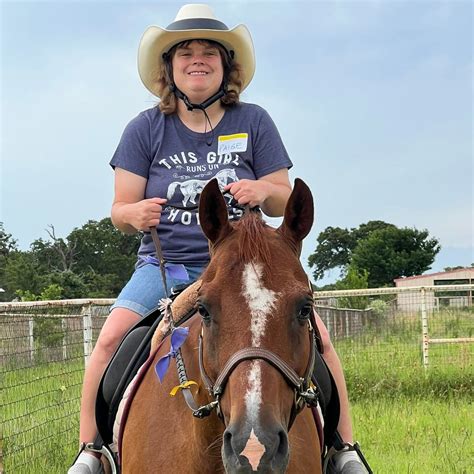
(435, 299)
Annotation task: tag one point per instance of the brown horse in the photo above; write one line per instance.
(250, 349)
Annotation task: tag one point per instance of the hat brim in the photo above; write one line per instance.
(156, 41)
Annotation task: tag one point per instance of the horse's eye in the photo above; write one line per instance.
(305, 312)
(203, 312)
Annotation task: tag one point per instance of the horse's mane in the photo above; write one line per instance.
(252, 240)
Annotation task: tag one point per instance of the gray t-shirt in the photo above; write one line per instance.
(178, 162)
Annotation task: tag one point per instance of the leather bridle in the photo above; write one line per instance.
(305, 394)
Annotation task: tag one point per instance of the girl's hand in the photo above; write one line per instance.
(247, 191)
(146, 213)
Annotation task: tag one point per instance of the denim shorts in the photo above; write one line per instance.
(145, 288)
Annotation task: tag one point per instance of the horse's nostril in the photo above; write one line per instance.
(227, 443)
(227, 436)
(283, 445)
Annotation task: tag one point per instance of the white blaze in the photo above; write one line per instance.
(253, 396)
(261, 301)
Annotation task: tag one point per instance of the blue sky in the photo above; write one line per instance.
(373, 100)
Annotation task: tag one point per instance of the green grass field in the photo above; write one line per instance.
(407, 420)
(416, 436)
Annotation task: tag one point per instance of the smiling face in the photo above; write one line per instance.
(197, 69)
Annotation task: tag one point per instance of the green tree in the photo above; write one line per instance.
(355, 279)
(333, 250)
(8, 245)
(7, 242)
(335, 246)
(51, 292)
(72, 285)
(391, 253)
(23, 272)
(93, 261)
(104, 256)
(103, 286)
(364, 230)
(56, 254)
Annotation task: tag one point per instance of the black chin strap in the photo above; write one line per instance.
(202, 106)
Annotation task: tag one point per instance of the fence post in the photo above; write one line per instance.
(424, 328)
(86, 314)
(31, 338)
(64, 330)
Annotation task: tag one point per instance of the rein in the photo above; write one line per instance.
(182, 376)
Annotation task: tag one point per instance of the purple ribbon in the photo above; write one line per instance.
(177, 271)
(173, 270)
(178, 336)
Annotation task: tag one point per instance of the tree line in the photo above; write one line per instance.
(96, 260)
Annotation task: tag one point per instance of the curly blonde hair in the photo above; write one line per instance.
(233, 78)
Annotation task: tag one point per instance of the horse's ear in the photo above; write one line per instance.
(299, 213)
(213, 212)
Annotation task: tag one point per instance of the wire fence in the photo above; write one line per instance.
(44, 347)
(401, 328)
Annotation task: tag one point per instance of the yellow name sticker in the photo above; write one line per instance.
(232, 143)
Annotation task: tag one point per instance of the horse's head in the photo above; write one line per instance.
(256, 303)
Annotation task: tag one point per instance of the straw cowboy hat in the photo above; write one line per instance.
(193, 21)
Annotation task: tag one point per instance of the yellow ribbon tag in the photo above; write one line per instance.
(180, 387)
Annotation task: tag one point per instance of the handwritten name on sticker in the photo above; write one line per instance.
(232, 143)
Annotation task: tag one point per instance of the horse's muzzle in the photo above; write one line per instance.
(269, 454)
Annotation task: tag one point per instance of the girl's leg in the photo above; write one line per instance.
(345, 461)
(332, 360)
(115, 327)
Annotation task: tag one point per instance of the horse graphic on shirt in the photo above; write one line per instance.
(191, 188)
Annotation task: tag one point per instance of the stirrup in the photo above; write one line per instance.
(343, 446)
(105, 451)
(84, 449)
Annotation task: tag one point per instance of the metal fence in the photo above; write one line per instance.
(432, 326)
(45, 345)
